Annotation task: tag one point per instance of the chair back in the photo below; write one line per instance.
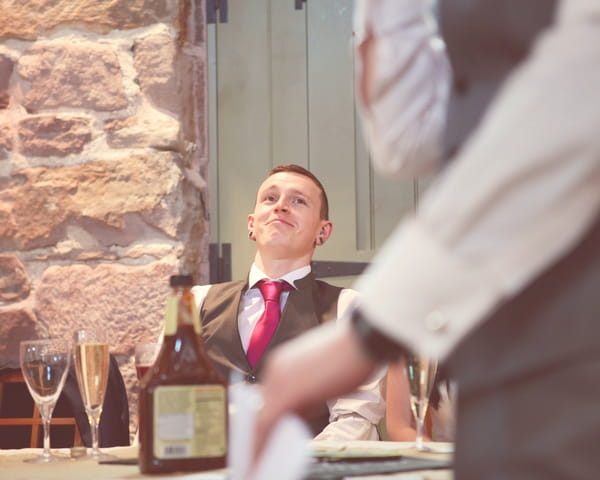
(20, 419)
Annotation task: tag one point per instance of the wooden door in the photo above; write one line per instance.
(281, 91)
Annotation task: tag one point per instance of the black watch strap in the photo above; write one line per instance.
(378, 346)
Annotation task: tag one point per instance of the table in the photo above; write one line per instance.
(12, 466)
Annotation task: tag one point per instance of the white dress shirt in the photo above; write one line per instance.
(351, 417)
(403, 78)
(522, 192)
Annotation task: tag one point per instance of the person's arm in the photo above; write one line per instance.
(199, 292)
(522, 193)
(355, 415)
(403, 82)
(399, 419)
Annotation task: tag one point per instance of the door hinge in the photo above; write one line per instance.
(216, 6)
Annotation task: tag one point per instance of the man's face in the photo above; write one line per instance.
(286, 221)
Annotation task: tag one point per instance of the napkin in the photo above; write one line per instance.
(286, 455)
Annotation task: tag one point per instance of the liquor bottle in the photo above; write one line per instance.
(183, 398)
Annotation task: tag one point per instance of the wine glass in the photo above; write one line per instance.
(145, 354)
(420, 371)
(45, 364)
(91, 358)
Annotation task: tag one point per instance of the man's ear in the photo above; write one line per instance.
(324, 232)
(251, 227)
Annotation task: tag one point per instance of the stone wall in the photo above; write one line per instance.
(102, 167)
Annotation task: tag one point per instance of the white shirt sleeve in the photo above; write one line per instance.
(521, 194)
(199, 292)
(403, 82)
(355, 416)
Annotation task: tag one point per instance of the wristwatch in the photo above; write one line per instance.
(378, 346)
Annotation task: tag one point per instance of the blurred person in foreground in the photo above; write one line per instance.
(290, 220)
(496, 274)
(486, 39)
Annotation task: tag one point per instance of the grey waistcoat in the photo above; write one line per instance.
(313, 303)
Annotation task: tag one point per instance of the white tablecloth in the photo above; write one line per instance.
(12, 466)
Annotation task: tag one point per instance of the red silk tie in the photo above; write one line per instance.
(268, 321)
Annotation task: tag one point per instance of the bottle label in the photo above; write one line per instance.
(190, 421)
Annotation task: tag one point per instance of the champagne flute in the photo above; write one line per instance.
(91, 366)
(420, 372)
(44, 364)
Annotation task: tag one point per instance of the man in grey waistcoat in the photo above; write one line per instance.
(290, 219)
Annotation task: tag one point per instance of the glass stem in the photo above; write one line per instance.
(94, 424)
(46, 414)
(419, 440)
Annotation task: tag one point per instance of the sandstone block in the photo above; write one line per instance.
(150, 128)
(117, 200)
(14, 281)
(30, 19)
(154, 60)
(77, 75)
(15, 325)
(47, 135)
(128, 301)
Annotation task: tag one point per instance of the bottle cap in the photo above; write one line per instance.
(181, 281)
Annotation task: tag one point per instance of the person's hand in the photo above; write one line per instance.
(321, 364)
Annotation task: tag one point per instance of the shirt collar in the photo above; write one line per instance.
(256, 275)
